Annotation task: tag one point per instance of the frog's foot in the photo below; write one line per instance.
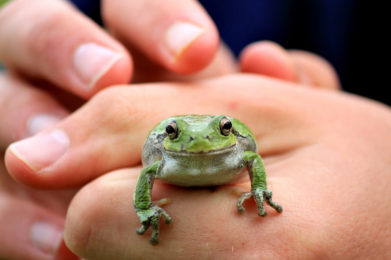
(152, 217)
(259, 195)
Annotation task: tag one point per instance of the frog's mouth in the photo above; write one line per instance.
(184, 152)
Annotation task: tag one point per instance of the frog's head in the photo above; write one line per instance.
(198, 134)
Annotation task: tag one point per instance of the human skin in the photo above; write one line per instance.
(24, 207)
(60, 50)
(327, 156)
(34, 95)
(52, 52)
(52, 69)
(26, 99)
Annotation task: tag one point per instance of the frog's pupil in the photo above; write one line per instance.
(170, 129)
(227, 125)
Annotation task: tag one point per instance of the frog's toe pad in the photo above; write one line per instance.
(262, 214)
(141, 230)
(278, 209)
(168, 221)
(154, 241)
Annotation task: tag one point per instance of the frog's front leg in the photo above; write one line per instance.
(146, 211)
(258, 184)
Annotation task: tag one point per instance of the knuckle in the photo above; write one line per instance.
(120, 107)
(50, 32)
(44, 38)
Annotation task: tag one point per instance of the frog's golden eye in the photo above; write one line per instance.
(172, 130)
(225, 126)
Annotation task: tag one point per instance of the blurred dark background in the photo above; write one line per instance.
(351, 34)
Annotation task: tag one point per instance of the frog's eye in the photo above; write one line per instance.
(225, 126)
(172, 130)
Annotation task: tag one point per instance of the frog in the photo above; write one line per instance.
(198, 151)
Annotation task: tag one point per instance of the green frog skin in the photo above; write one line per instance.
(198, 150)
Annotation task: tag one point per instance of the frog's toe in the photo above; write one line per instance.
(167, 218)
(262, 213)
(141, 230)
(244, 197)
(241, 209)
(154, 240)
(278, 208)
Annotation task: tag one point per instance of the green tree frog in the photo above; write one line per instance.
(198, 150)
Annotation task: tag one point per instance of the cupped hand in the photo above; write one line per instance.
(327, 158)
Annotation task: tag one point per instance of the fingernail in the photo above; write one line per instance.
(45, 236)
(37, 123)
(180, 35)
(41, 150)
(91, 61)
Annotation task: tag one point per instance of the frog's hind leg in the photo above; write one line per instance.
(268, 198)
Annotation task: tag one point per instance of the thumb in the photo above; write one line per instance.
(108, 132)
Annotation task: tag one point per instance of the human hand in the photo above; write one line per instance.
(68, 58)
(57, 59)
(28, 109)
(327, 157)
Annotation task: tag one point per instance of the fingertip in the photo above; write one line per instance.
(189, 47)
(269, 59)
(18, 169)
(28, 160)
(100, 65)
(29, 230)
(120, 72)
(179, 35)
(315, 70)
(307, 69)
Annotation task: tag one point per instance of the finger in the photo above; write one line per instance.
(197, 232)
(270, 59)
(25, 110)
(314, 70)
(29, 231)
(178, 35)
(61, 46)
(108, 133)
(146, 71)
(219, 235)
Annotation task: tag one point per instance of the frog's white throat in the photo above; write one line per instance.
(201, 169)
